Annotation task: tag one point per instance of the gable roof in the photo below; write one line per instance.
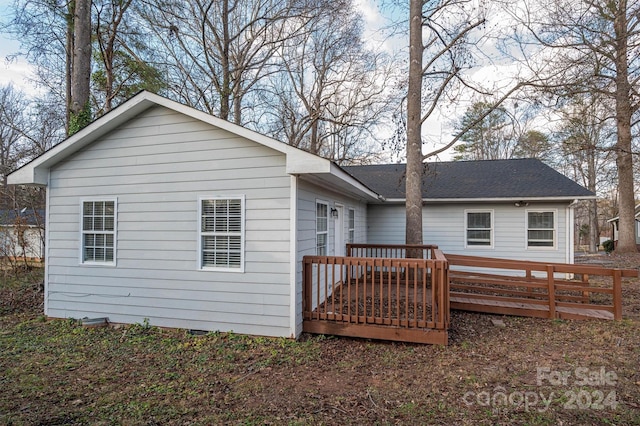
(298, 162)
(516, 179)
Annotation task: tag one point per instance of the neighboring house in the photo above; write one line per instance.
(22, 234)
(615, 223)
(159, 211)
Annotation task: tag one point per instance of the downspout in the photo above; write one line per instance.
(294, 328)
(570, 250)
(47, 222)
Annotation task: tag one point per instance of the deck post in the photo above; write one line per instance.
(617, 294)
(552, 291)
(307, 301)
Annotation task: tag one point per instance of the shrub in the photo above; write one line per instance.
(608, 246)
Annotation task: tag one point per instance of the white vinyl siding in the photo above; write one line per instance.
(541, 229)
(352, 226)
(443, 226)
(98, 233)
(479, 228)
(221, 233)
(322, 227)
(308, 196)
(158, 165)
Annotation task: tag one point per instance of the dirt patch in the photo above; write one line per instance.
(527, 372)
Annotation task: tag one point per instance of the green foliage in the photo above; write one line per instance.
(608, 246)
(484, 138)
(79, 121)
(130, 75)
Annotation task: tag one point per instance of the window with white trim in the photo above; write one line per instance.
(222, 233)
(352, 225)
(322, 228)
(541, 229)
(99, 231)
(479, 228)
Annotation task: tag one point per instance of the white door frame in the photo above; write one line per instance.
(338, 240)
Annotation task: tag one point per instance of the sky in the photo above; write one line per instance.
(16, 71)
(437, 129)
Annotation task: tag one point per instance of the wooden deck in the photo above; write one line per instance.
(390, 299)
(409, 299)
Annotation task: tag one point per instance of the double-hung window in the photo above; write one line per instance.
(222, 233)
(322, 228)
(541, 229)
(352, 225)
(99, 231)
(479, 228)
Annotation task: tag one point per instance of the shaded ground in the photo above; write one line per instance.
(525, 371)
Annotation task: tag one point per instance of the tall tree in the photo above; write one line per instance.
(489, 138)
(79, 106)
(45, 31)
(589, 46)
(534, 144)
(499, 134)
(444, 42)
(586, 139)
(12, 123)
(414, 126)
(121, 49)
(333, 90)
(217, 52)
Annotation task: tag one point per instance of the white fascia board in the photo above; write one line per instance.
(350, 180)
(299, 164)
(494, 200)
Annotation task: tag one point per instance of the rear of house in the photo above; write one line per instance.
(159, 212)
(163, 213)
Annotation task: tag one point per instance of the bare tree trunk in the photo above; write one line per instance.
(68, 64)
(414, 127)
(81, 69)
(624, 159)
(225, 95)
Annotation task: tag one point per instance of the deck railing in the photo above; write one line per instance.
(535, 288)
(393, 251)
(400, 292)
(385, 298)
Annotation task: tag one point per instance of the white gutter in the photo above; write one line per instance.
(493, 200)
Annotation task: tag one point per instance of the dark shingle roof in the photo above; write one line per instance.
(518, 178)
(27, 216)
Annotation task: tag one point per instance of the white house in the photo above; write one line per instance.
(22, 234)
(615, 223)
(158, 211)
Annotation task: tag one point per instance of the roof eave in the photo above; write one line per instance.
(37, 171)
(498, 199)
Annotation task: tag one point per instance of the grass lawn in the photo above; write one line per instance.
(527, 372)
